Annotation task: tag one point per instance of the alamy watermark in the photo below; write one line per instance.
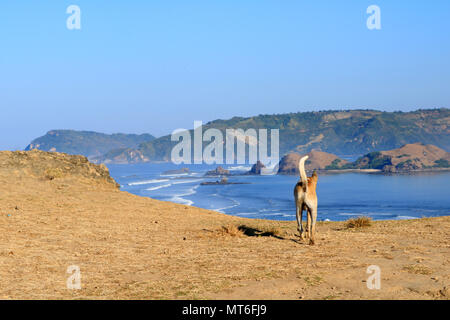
(374, 20)
(74, 280)
(374, 280)
(231, 143)
(73, 22)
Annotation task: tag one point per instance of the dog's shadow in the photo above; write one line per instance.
(253, 232)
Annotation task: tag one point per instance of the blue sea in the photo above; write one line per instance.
(341, 196)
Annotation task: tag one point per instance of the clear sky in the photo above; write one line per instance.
(154, 66)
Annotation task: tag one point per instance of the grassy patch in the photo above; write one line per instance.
(272, 231)
(313, 281)
(417, 269)
(53, 173)
(231, 230)
(359, 222)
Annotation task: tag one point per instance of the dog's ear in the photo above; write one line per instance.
(314, 174)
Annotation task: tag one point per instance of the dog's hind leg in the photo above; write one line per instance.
(308, 222)
(307, 226)
(299, 214)
(312, 230)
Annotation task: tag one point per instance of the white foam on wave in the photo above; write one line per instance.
(159, 187)
(270, 170)
(366, 214)
(275, 214)
(246, 213)
(221, 210)
(239, 168)
(235, 204)
(187, 181)
(137, 183)
(179, 197)
(174, 175)
(405, 218)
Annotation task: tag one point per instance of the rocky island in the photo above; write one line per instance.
(318, 160)
(223, 181)
(176, 171)
(219, 171)
(415, 157)
(409, 158)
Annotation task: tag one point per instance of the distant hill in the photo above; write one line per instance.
(350, 133)
(121, 156)
(317, 161)
(87, 143)
(410, 157)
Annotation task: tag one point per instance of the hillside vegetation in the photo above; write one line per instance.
(86, 143)
(345, 133)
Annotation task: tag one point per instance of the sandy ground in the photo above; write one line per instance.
(129, 247)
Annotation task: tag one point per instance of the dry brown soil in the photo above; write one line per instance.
(130, 247)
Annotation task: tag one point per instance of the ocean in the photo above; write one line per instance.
(341, 196)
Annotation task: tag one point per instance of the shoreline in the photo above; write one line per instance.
(321, 171)
(323, 220)
(376, 171)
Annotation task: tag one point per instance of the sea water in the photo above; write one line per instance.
(341, 196)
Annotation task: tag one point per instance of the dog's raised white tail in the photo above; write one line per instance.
(301, 168)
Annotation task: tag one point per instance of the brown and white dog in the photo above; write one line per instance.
(306, 199)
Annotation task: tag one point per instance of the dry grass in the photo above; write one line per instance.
(417, 269)
(131, 247)
(359, 222)
(53, 173)
(273, 231)
(231, 230)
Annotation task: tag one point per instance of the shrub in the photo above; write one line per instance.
(334, 165)
(53, 173)
(231, 230)
(442, 163)
(358, 222)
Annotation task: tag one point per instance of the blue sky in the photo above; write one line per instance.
(154, 66)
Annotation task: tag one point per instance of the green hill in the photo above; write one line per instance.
(349, 133)
(86, 143)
